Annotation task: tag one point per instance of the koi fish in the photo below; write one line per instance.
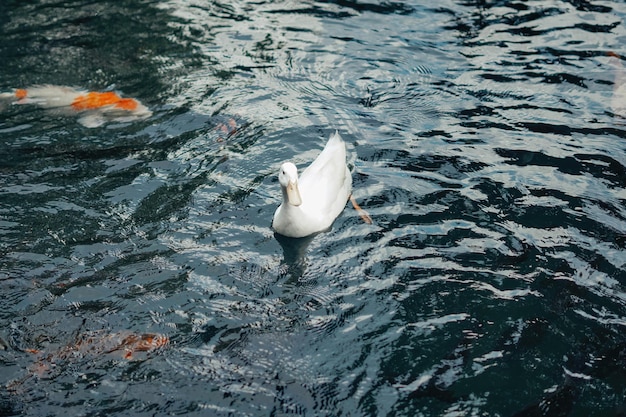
(87, 346)
(122, 344)
(94, 108)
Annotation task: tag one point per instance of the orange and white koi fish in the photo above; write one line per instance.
(126, 345)
(94, 108)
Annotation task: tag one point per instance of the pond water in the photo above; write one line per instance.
(488, 145)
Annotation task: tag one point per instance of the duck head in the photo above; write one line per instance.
(288, 179)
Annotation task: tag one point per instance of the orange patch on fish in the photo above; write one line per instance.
(145, 342)
(127, 104)
(20, 93)
(94, 100)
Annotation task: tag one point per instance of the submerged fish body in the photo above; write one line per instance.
(88, 346)
(94, 108)
(126, 345)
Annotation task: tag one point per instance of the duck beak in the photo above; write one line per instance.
(293, 194)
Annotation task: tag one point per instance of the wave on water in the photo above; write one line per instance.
(487, 144)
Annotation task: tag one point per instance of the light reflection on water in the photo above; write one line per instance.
(485, 147)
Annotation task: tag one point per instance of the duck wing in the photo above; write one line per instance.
(327, 181)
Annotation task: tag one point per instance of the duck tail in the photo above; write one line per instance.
(335, 137)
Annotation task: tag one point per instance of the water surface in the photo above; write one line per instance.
(486, 146)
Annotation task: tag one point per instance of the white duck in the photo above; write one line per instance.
(312, 202)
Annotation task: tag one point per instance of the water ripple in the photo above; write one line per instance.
(487, 146)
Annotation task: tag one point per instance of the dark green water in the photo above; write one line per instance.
(486, 149)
